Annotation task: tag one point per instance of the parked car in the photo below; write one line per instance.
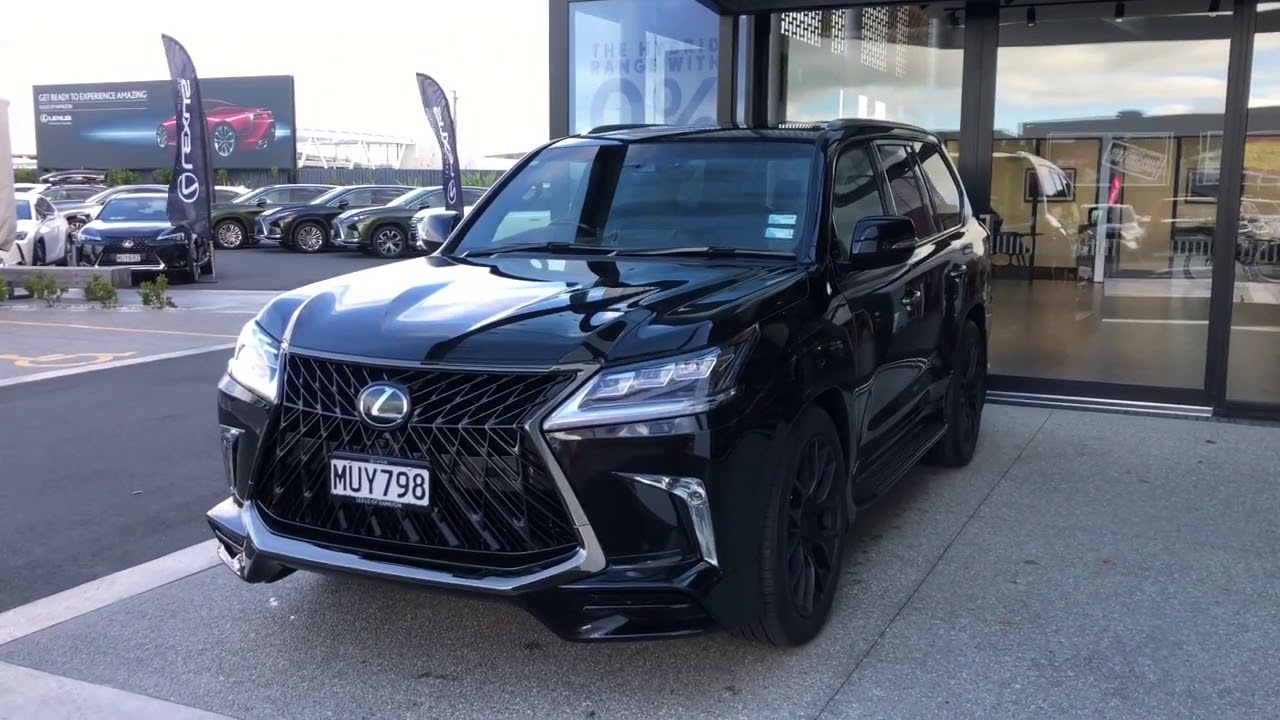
(643, 390)
(132, 230)
(420, 229)
(71, 193)
(233, 220)
(306, 228)
(232, 128)
(384, 231)
(42, 232)
(80, 212)
(227, 193)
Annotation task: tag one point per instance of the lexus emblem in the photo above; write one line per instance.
(127, 244)
(383, 405)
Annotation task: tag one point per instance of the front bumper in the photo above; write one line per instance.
(344, 235)
(141, 256)
(266, 231)
(648, 562)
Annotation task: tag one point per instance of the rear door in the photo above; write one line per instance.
(950, 250)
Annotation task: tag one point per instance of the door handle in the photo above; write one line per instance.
(957, 271)
(911, 298)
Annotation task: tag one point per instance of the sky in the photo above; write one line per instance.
(353, 63)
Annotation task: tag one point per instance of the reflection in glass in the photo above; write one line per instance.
(1108, 136)
(642, 61)
(1253, 374)
(894, 62)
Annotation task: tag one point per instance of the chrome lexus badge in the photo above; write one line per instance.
(383, 405)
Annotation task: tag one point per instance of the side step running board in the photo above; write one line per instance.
(878, 479)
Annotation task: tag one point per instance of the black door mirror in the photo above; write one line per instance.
(882, 241)
(260, 202)
(438, 227)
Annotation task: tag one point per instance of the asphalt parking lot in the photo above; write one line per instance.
(1085, 565)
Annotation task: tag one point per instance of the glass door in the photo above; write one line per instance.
(1107, 128)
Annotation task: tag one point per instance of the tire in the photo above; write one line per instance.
(965, 400)
(315, 237)
(38, 253)
(814, 455)
(388, 242)
(229, 234)
(224, 140)
(193, 273)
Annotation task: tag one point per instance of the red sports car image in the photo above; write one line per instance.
(232, 128)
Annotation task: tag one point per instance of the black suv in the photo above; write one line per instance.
(642, 388)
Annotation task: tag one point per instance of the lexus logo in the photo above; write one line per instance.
(383, 405)
(127, 244)
(188, 185)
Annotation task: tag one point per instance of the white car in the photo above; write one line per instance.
(418, 229)
(42, 231)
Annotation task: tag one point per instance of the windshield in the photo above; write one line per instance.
(413, 197)
(745, 195)
(248, 197)
(135, 209)
(334, 193)
(24, 210)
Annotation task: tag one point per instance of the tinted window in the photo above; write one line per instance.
(24, 210)
(79, 193)
(223, 195)
(55, 193)
(855, 192)
(306, 194)
(905, 189)
(44, 207)
(943, 189)
(471, 196)
(383, 196)
(744, 194)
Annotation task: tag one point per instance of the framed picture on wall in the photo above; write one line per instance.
(1060, 184)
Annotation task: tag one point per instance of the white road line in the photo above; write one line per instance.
(1153, 321)
(97, 594)
(31, 693)
(18, 380)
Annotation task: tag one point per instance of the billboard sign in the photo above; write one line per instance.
(132, 125)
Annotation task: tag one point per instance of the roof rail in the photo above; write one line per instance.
(620, 126)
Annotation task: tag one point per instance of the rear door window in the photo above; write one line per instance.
(906, 190)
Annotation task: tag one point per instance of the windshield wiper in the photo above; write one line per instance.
(715, 251)
(553, 247)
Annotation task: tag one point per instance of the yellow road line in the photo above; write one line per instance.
(116, 329)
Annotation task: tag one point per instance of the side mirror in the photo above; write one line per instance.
(342, 203)
(882, 241)
(260, 202)
(438, 227)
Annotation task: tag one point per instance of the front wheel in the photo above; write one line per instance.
(308, 237)
(38, 253)
(229, 234)
(966, 397)
(388, 242)
(802, 549)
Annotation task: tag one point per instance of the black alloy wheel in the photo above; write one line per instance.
(229, 234)
(308, 237)
(804, 535)
(388, 242)
(73, 228)
(966, 398)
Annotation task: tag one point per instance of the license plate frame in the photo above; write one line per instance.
(128, 257)
(375, 480)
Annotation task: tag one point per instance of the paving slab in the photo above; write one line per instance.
(316, 646)
(1125, 568)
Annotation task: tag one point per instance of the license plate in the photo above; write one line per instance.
(128, 257)
(379, 482)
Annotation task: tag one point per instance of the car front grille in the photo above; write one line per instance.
(495, 507)
(136, 246)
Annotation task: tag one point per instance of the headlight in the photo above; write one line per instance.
(256, 362)
(656, 389)
(174, 234)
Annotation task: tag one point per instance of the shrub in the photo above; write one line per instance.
(44, 286)
(153, 293)
(26, 175)
(122, 177)
(222, 177)
(163, 176)
(101, 291)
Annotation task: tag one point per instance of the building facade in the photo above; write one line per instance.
(1126, 155)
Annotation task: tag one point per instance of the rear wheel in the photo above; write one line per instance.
(966, 398)
(802, 548)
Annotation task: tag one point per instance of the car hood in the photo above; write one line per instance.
(508, 311)
(124, 229)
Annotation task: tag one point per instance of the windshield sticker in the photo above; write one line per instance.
(782, 219)
(776, 233)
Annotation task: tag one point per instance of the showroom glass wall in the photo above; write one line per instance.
(1094, 142)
